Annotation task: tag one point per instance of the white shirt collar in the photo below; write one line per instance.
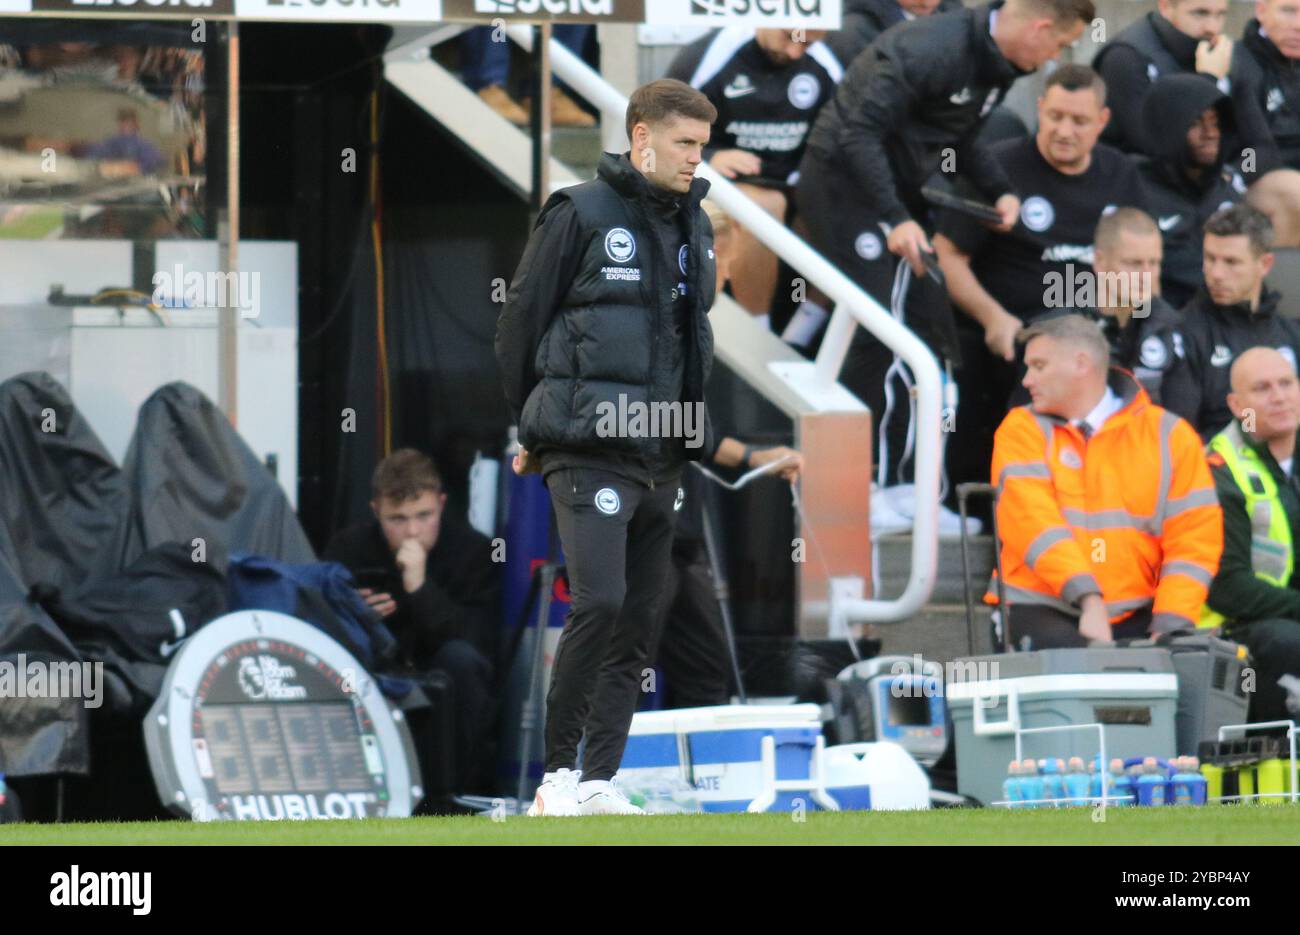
(993, 19)
(1107, 407)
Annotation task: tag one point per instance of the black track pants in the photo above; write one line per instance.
(617, 537)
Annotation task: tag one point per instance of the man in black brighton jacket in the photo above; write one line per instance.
(1272, 46)
(909, 106)
(1183, 37)
(1141, 328)
(604, 347)
(1233, 311)
(921, 90)
(1188, 122)
(1123, 287)
(767, 85)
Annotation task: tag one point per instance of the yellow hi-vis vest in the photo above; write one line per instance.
(1270, 533)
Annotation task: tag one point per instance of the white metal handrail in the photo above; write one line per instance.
(852, 306)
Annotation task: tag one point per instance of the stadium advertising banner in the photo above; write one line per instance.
(315, 11)
(810, 14)
(116, 8)
(558, 11)
(325, 11)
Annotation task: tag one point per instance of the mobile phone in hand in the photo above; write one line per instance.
(379, 580)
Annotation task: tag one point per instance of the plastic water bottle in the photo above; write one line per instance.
(1062, 783)
(1012, 793)
(1190, 787)
(1096, 777)
(1077, 783)
(1135, 773)
(1150, 784)
(666, 796)
(1068, 782)
(1032, 784)
(1182, 789)
(1166, 795)
(1121, 785)
(1053, 783)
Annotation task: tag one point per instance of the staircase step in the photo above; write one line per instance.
(938, 633)
(895, 561)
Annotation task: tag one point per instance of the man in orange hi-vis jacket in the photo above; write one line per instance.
(1109, 524)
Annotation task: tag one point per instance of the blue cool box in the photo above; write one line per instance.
(718, 751)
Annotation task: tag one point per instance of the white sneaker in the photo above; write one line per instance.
(557, 796)
(604, 797)
(885, 519)
(893, 509)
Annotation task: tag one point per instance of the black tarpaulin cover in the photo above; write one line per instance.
(133, 621)
(37, 735)
(110, 552)
(61, 496)
(192, 477)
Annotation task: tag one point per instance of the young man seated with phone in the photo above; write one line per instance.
(431, 576)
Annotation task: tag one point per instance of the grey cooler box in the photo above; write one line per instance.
(1211, 691)
(1133, 693)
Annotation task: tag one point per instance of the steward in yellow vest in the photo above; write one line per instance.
(1254, 596)
(1248, 478)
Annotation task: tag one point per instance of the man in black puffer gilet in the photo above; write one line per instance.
(604, 346)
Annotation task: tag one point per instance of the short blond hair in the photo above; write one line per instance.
(1071, 329)
(1126, 219)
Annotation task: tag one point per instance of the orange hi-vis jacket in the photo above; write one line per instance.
(1129, 513)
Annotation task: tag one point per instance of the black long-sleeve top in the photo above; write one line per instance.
(460, 595)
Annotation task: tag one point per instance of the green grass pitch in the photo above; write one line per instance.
(1225, 824)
